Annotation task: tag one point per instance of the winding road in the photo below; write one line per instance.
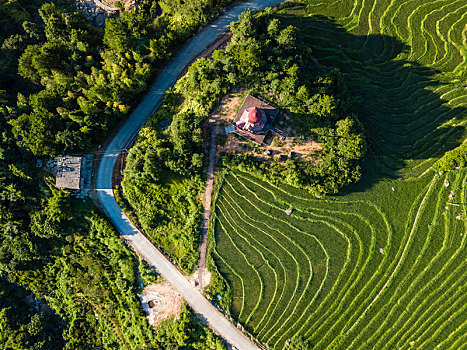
(122, 139)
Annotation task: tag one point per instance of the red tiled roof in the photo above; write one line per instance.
(254, 116)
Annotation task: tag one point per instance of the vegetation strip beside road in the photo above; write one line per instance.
(104, 176)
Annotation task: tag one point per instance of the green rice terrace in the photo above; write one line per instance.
(381, 265)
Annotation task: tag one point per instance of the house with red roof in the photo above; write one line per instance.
(254, 119)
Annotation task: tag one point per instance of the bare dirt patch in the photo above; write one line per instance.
(224, 113)
(305, 149)
(298, 146)
(222, 116)
(194, 278)
(161, 302)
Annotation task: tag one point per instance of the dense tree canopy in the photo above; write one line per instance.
(63, 85)
(22, 324)
(161, 185)
(80, 81)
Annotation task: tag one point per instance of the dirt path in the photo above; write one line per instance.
(207, 203)
(129, 233)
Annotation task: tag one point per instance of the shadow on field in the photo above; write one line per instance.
(404, 118)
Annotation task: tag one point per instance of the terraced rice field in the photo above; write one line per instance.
(373, 268)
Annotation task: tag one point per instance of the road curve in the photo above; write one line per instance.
(104, 6)
(123, 138)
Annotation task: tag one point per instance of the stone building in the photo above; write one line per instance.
(69, 172)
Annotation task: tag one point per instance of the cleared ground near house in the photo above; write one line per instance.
(383, 265)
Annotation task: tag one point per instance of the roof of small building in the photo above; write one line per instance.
(269, 111)
(68, 172)
(254, 116)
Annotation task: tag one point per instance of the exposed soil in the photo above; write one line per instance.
(161, 302)
(303, 148)
(206, 276)
(224, 113)
(95, 11)
(111, 3)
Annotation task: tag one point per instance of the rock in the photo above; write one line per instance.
(289, 211)
(446, 183)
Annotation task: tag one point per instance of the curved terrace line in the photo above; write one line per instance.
(122, 139)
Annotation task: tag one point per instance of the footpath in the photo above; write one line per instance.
(129, 233)
(207, 203)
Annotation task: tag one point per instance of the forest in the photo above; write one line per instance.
(64, 86)
(74, 82)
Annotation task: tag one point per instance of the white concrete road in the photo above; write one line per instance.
(122, 139)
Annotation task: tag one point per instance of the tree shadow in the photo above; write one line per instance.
(407, 122)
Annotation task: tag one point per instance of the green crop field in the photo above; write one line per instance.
(382, 265)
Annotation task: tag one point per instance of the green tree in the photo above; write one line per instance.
(299, 343)
(287, 37)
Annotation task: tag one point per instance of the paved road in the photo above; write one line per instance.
(123, 138)
(104, 6)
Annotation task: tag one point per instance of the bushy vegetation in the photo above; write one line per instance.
(63, 85)
(75, 82)
(456, 158)
(160, 185)
(72, 257)
(382, 264)
(22, 324)
(61, 250)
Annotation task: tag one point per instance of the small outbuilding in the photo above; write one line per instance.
(68, 172)
(254, 119)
